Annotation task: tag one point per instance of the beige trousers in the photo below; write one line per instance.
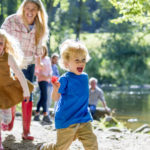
(66, 136)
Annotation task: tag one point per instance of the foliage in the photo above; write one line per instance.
(18, 108)
(125, 59)
(93, 43)
(118, 58)
(119, 55)
(8, 7)
(135, 11)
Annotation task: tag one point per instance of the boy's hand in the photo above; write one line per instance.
(56, 86)
(27, 98)
(55, 83)
(54, 79)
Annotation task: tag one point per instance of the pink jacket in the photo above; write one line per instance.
(14, 26)
(45, 71)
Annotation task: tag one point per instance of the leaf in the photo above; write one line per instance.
(56, 2)
(64, 4)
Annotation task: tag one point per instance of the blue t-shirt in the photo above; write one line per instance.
(72, 106)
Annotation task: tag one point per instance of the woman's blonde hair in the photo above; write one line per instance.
(12, 47)
(41, 20)
(72, 48)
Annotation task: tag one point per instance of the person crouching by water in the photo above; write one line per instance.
(96, 94)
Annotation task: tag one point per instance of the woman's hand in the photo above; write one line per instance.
(41, 65)
(27, 99)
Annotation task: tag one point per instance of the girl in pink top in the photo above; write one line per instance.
(43, 74)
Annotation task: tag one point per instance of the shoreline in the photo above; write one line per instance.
(107, 140)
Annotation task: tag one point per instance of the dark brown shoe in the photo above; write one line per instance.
(39, 147)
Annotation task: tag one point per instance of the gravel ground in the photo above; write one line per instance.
(46, 133)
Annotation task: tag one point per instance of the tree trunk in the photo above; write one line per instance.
(79, 20)
(49, 8)
(11, 7)
(1, 15)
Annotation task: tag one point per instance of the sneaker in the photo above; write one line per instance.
(36, 118)
(40, 147)
(1, 147)
(47, 119)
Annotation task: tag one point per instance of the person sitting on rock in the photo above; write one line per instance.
(95, 94)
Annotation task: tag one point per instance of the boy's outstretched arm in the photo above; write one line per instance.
(55, 94)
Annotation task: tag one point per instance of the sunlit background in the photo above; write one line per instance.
(116, 34)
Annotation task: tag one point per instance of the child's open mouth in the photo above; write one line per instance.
(80, 69)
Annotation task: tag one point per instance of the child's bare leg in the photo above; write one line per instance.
(1, 146)
(7, 116)
(64, 139)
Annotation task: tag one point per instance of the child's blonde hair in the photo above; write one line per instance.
(40, 20)
(12, 47)
(72, 48)
(45, 50)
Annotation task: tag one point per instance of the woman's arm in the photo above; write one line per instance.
(18, 73)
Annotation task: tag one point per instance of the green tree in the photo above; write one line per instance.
(135, 11)
(11, 6)
(8, 7)
(2, 11)
(78, 14)
(51, 7)
(125, 60)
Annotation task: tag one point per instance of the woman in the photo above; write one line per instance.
(29, 27)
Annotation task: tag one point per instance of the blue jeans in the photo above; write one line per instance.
(49, 92)
(43, 85)
(92, 109)
(29, 74)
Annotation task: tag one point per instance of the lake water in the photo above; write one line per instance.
(132, 106)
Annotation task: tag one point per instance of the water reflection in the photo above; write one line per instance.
(131, 106)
